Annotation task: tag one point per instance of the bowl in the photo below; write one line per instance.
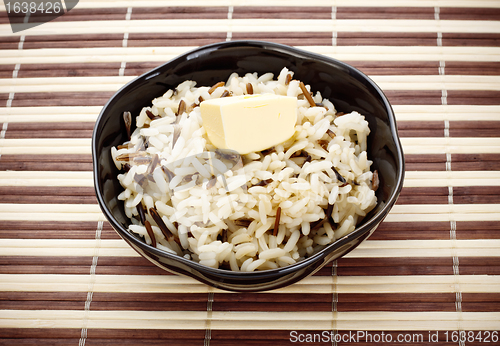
(348, 89)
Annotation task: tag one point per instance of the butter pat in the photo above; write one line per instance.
(249, 123)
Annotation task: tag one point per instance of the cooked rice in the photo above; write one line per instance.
(221, 211)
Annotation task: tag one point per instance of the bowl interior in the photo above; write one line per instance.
(347, 88)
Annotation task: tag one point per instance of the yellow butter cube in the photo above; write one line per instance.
(249, 123)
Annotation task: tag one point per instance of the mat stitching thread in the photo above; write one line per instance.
(2, 134)
(27, 17)
(4, 130)
(453, 223)
(18, 66)
(15, 72)
(335, 300)
(21, 42)
(90, 291)
(334, 20)
(229, 35)
(123, 65)
(208, 324)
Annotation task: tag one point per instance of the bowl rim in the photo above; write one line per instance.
(358, 232)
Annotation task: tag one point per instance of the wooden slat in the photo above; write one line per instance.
(440, 112)
(345, 3)
(67, 162)
(370, 249)
(468, 40)
(61, 195)
(25, 229)
(347, 266)
(248, 302)
(68, 70)
(50, 130)
(44, 99)
(448, 13)
(437, 230)
(162, 53)
(315, 284)
(112, 83)
(385, 13)
(281, 320)
(385, 39)
(453, 145)
(459, 97)
(261, 25)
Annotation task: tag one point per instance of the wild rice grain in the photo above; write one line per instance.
(142, 213)
(215, 86)
(307, 94)
(151, 115)
(249, 88)
(150, 233)
(127, 119)
(181, 108)
(159, 222)
(277, 221)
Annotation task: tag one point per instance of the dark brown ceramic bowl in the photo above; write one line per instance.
(348, 89)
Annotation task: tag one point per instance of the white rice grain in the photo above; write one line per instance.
(272, 253)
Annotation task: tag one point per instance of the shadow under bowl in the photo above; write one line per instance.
(346, 87)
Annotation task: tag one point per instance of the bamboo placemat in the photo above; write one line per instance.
(432, 268)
